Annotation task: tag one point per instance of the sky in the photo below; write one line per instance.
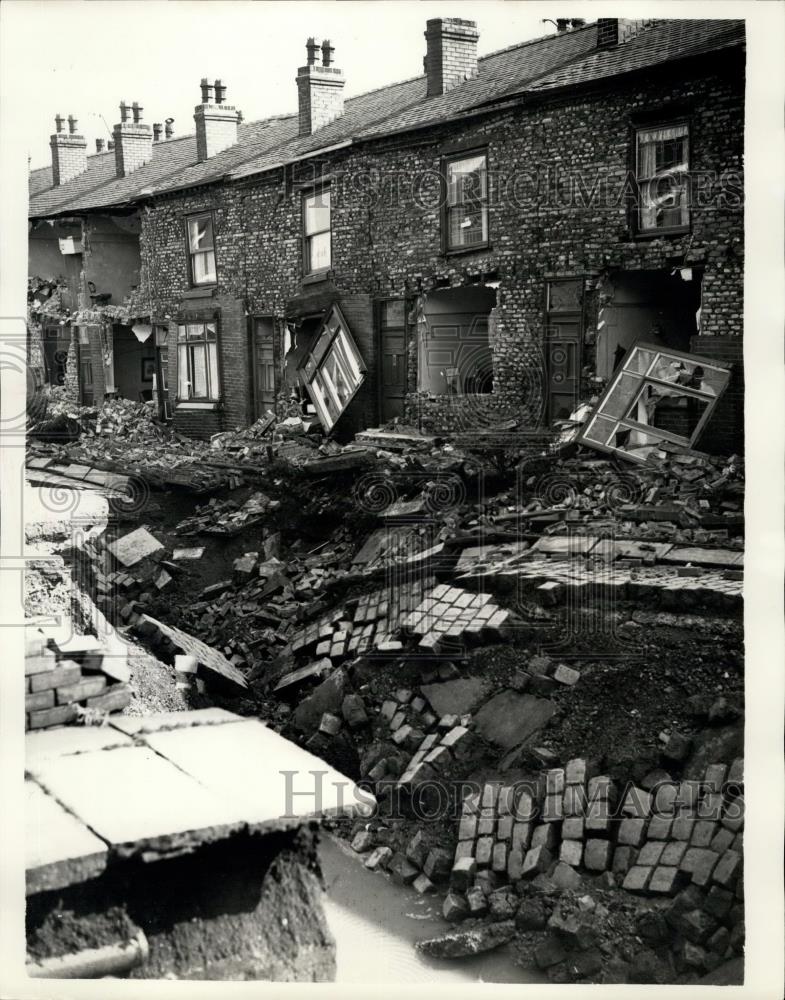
(83, 58)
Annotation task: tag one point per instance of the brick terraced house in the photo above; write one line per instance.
(482, 242)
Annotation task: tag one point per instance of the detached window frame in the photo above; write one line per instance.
(198, 367)
(314, 231)
(202, 268)
(662, 178)
(464, 199)
(333, 370)
(646, 374)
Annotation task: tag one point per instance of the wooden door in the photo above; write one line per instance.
(86, 388)
(392, 359)
(263, 366)
(563, 342)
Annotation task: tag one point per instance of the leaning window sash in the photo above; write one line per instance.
(334, 370)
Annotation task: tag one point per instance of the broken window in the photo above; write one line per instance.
(333, 370)
(317, 237)
(197, 362)
(662, 162)
(466, 204)
(655, 397)
(201, 249)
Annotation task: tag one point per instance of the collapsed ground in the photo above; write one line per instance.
(306, 545)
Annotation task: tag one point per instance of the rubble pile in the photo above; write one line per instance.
(72, 678)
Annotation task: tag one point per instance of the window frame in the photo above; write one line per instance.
(647, 126)
(333, 338)
(208, 400)
(313, 191)
(446, 162)
(208, 214)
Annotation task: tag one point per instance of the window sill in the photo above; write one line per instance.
(191, 404)
(316, 276)
(654, 234)
(462, 251)
(201, 291)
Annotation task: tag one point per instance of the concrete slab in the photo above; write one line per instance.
(509, 718)
(477, 556)
(133, 725)
(134, 547)
(212, 664)
(457, 697)
(139, 803)
(59, 850)
(565, 544)
(71, 739)
(272, 780)
(704, 557)
(609, 549)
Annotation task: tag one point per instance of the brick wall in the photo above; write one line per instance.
(320, 96)
(69, 157)
(724, 433)
(451, 55)
(133, 147)
(558, 172)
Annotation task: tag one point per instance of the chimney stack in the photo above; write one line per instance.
(612, 31)
(69, 151)
(216, 122)
(451, 53)
(319, 88)
(133, 141)
(169, 127)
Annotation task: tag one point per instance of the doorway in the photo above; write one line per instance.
(263, 365)
(392, 359)
(564, 340)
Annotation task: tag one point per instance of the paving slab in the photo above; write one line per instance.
(134, 547)
(246, 764)
(139, 803)
(59, 849)
(565, 544)
(704, 557)
(456, 697)
(136, 724)
(509, 718)
(72, 739)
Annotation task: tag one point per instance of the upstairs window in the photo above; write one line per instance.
(201, 249)
(197, 362)
(662, 164)
(466, 202)
(317, 237)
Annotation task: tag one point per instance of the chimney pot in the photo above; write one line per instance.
(137, 111)
(59, 122)
(451, 53)
(157, 130)
(99, 145)
(169, 128)
(207, 91)
(110, 144)
(72, 123)
(123, 111)
(311, 48)
(327, 52)
(220, 92)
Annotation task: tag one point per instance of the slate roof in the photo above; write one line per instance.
(550, 63)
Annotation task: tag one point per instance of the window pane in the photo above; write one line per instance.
(392, 313)
(182, 371)
(198, 371)
(195, 331)
(203, 267)
(319, 252)
(200, 233)
(210, 331)
(468, 226)
(212, 358)
(316, 211)
(466, 180)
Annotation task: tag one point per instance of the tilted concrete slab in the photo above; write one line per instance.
(71, 739)
(246, 763)
(134, 547)
(565, 544)
(138, 802)
(213, 665)
(704, 557)
(135, 724)
(59, 849)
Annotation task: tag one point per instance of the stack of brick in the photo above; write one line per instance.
(416, 865)
(67, 679)
(451, 617)
(693, 833)
(226, 517)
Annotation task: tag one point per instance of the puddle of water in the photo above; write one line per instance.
(376, 922)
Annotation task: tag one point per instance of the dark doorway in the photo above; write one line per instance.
(392, 359)
(563, 342)
(263, 365)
